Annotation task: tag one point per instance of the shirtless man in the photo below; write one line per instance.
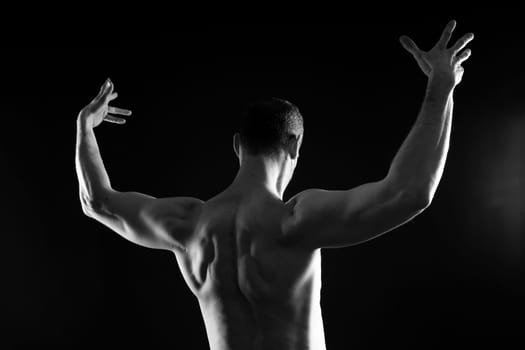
(253, 261)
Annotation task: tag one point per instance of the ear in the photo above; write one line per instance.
(236, 143)
(294, 143)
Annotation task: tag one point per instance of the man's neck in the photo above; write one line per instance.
(259, 174)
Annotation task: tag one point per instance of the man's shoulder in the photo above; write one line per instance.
(294, 201)
(173, 218)
(174, 208)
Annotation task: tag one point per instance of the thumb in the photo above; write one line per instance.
(423, 63)
(403, 41)
(409, 45)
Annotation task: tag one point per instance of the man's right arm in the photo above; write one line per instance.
(419, 163)
(331, 219)
(320, 218)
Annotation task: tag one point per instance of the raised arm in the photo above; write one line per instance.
(319, 218)
(92, 176)
(421, 159)
(164, 223)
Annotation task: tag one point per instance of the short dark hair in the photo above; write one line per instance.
(267, 124)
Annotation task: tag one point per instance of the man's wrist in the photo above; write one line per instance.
(441, 80)
(439, 89)
(83, 123)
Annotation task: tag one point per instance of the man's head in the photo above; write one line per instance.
(271, 129)
(269, 126)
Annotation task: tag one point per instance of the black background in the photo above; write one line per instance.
(448, 278)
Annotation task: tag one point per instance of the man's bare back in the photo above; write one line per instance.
(256, 289)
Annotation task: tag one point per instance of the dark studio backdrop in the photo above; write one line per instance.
(448, 278)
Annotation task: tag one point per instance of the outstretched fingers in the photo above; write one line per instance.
(112, 119)
(463, 56)
(111, 97)
(121, 111)
(447, 33)
(461, 43)
(106, 95)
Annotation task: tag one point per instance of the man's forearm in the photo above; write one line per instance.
(420, 161)
(92, 176)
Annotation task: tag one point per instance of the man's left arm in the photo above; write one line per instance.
(137, 217)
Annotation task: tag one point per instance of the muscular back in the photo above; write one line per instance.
(253, 261)
(257, 289)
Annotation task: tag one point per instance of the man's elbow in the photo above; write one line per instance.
(417, 196)
(422, 200)
(89, 210)
(418, 200)
(91, 207)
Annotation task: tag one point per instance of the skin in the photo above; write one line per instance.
(252, 260)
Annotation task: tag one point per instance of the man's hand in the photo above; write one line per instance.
(98, 110)
(439, 61)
